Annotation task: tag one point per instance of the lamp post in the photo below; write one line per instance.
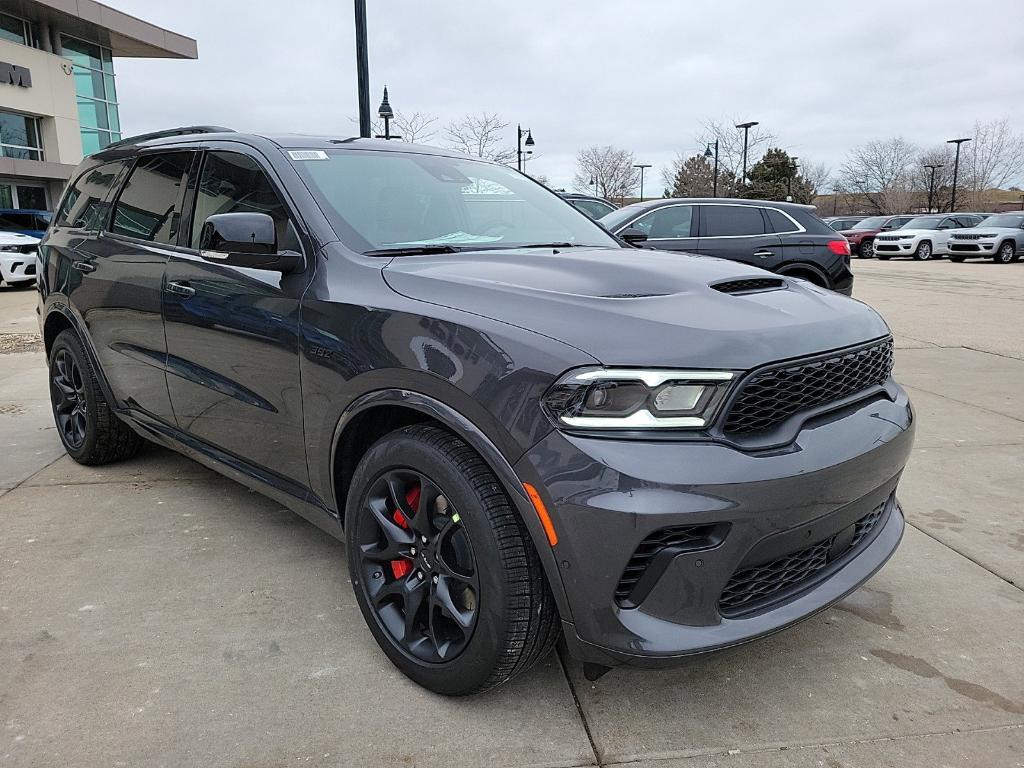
(1022, 202)
(931, 183)
(362, 69)
(956, 170)
(642, 167)
(593, 183)
(746, 132)
(387, 114)
(714, 183)
(520, 133)
(789, 178)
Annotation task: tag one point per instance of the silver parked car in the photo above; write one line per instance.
(999, 237)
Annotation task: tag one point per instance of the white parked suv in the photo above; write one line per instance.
(922, 237)
(999, 237)
(17, 258)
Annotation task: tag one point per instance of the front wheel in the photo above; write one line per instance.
(866, 249)
(443, 569)
(1007, 252)
(923, 252)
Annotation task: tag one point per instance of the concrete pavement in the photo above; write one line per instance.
(153, 613)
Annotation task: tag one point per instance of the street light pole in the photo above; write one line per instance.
(714, 183)
(593, 182)
(789, 178)
(956, 170)
(746, 132)
(520, 143)
(931, 184)
(642, 166)
(362, 69)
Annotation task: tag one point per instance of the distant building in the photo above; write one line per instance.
(58, 94)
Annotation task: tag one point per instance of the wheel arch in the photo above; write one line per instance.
(376, 413)
(807, 271)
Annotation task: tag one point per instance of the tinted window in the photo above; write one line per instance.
(780, 222)
(231, 183)
(593, 208)
(732, 220)
(149, 207)
(83, 205)
(669, 222)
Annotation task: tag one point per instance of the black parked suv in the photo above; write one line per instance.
(785, 238)
(521, 427)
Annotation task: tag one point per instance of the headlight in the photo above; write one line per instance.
(10, 248)
(621, 398)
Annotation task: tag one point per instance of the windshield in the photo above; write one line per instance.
(382, 200)
(923, 222)
(875, 222)
(1006, 220)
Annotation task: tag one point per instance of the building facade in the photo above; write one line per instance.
(58, 89)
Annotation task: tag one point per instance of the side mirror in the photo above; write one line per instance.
(244, 240)
(633, 235)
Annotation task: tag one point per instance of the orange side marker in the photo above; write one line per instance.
(542, 513)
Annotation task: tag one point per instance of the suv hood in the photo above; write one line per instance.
(640, 307)
(991, 231)
(910, 232)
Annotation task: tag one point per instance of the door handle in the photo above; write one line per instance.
(763, 254)
(84, 266)
(181, 289)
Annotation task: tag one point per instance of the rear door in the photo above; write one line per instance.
(669, 227)
(233, 333)
(739, 233)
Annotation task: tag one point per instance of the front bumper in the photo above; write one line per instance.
(895, 247)
(17, 267)
(747, 511)
(972, 247)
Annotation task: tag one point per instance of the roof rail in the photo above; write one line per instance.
(183, 131)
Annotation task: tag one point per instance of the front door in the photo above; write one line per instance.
(739, 233)
(233, 333)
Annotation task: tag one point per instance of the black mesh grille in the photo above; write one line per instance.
(750, 284)
(756, 586)
(770, 397)
(681, 537)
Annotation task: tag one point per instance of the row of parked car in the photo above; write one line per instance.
(960, 236)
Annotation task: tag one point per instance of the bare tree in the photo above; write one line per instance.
(816, 177)
(993, 159)
(730, 150)
(481, 136)
(921, 178)
(881, 171)
(611, 168)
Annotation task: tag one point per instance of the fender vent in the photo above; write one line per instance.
(750, 285)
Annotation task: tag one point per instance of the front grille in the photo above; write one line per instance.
(771, 396)
(764, 584)
(888, 238)
(749, 285)
(680, 538)
(886, 246)
(968, 237)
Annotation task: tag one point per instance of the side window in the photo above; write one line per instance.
(231, 182)
(83, 206)
(781, 223)
(149, 207)
(592, 208)
(732, 221)
(949, 223)
(672, 221)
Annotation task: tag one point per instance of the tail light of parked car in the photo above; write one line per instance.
(840, 247)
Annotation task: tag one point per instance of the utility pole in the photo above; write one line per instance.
(362, 69)
(642, 166)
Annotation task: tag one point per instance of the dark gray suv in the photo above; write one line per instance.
(523, 428)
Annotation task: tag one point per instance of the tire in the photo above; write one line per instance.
(478, 565)
(866, 249)
(90, 431)
(1006, 254)
(923, 252)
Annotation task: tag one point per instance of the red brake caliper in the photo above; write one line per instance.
(400, 568)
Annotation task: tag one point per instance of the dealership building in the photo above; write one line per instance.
(58, 88)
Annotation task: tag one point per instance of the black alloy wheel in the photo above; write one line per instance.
(70, 405)
(417, 566)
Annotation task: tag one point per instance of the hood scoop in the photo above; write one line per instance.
(750, 285)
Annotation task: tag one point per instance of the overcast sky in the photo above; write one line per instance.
(642, 75)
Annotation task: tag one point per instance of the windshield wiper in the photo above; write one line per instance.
(414, 250)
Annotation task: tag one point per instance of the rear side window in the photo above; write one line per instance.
(230, 183)
(149, 207)
(780, 222)
(83, 206)
(732, 221)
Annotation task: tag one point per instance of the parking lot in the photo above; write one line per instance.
(153, 613)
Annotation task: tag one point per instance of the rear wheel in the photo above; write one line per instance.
(443, 569)
(87, 426)
(866, 249)
(1007, 252)
(924, 251)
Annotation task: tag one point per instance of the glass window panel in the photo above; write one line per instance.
(83, 206)
(20, 153)
(672, 221)
(91, 141)
(113, 119)
(17, 129)
(81, 52)
(149, 206)
(6, 196)
(31, 197)
(109, 88)
(732, 221)
(12, 28)
(88, 83)
(108, 61)
(92, 114)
